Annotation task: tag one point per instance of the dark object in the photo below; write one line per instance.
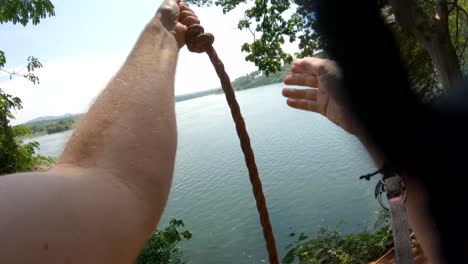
(198, 41)
(368, 176)
(428, 143)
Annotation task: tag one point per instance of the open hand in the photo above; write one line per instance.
(321, 79)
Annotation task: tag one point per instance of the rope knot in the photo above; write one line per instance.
(197, 40)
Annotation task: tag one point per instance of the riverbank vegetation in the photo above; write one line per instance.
(51, 126)
(258, 78)
(332, 246)
(164, 245)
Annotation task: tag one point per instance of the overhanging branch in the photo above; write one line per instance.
(410, 17)
(442, 13)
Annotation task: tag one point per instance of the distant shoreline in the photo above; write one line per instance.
(41, 127)
(54, 124)
(249, 81)
(185, 97)
(66, 122)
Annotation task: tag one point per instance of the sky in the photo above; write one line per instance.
(86, 42)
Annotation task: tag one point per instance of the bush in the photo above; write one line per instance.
(162, 247)
(15, 155)
(331, 246)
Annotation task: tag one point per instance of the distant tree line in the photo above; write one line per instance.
(258, 78)
(52, 126)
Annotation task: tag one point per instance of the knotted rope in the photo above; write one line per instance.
(199, 42)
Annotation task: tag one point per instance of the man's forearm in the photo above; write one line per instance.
(105, 195)
(130, 131)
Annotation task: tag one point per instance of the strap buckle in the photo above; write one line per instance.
(390, 183)
(393, 190)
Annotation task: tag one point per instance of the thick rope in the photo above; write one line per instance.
(198, 41)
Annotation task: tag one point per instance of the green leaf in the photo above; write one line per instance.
(23, 12)
(187, 235)
(302, 237)
(163, 245)
(20, 131)
(33, 63)
(200, 3)
(2, 58)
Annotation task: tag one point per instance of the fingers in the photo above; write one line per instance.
(311, 65)
(184, 8)
(184, 14)
(301, 79)
(187, 16)
(307, 94)
(191, 20)
(304, 99)
(303, 104)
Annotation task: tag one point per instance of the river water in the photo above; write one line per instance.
(309, 170)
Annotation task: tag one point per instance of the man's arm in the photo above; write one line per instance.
(107, 192)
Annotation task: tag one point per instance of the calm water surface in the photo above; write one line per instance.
(309, 170)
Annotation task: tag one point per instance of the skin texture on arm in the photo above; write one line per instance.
(107, 192)
(321, 80)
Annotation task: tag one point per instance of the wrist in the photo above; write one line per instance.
(159, 29)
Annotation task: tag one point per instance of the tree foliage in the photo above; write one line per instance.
(15, 155)
(331, 246)
(271, 23)
(422, 74)
(25, 11)
(458, 22)
(162, 247)
(270, 28)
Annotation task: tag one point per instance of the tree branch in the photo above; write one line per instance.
(253, 33)
(460, 49)
(442, 13)
(457, 28)
(453, 4)
(11, 73)
(462, 52)
(410, 17)
(459, 8)
(30, 76)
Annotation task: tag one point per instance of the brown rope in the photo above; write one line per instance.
(198, 41)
